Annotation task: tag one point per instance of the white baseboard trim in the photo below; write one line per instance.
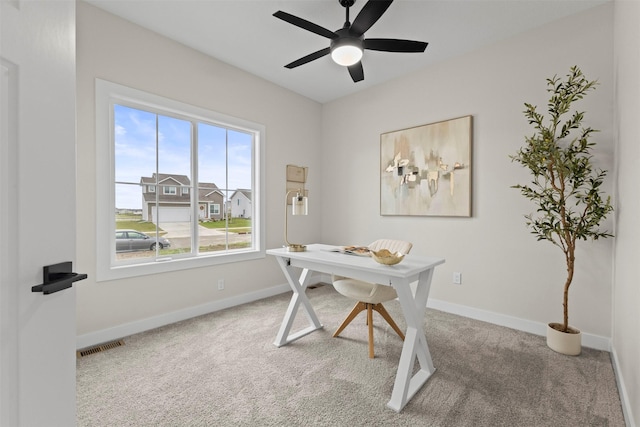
(588, 340)
(622, 389)
(93, 338)
(120, 331)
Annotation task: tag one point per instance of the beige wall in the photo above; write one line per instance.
(626, 297)
(504, 269)
(116, 50)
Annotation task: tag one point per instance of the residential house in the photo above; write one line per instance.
(168, 197)
(240, 204)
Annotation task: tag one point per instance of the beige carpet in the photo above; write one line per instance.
(222, 369)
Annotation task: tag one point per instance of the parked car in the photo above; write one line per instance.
(132, 240)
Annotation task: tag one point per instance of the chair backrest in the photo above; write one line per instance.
(392, 245)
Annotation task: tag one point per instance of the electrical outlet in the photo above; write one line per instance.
(457, 278)
(220, 284)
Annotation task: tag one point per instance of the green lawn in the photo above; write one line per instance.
(138, 225)
(208, 248)
(236, 225)
(135, 222)
(233, 222)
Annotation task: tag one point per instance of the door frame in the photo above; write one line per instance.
(39, 338)
(8, 258)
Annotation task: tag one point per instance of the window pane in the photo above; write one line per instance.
(139, 147)
(174, 209)
(240, 158)
(134, 152)
(216, 163)
(135, 144)
(130, 244)
(212, 155)
(240, 165)
(212, 170)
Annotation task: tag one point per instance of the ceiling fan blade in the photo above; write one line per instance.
(311, 57)
(369, 14)
(357, 72)
(304, 24)
(395, 45)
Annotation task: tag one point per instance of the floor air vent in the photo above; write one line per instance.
(100, 348)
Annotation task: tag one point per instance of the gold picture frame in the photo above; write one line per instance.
(296, 179)
(426, 170)
(296, 174)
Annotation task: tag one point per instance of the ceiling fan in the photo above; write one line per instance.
(348, 43)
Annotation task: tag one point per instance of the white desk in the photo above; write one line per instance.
(320, 258)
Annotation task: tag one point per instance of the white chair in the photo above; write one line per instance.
(370, 296)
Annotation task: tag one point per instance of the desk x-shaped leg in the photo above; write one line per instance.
(298, 285)
(415, 343)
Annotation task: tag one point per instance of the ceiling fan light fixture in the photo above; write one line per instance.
(346, 51)
(346, 55)
(348, 43)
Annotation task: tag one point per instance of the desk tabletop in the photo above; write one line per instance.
(329, 256)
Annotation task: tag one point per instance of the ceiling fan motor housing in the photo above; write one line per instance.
(346, 38)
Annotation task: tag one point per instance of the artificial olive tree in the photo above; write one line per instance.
(565, 187)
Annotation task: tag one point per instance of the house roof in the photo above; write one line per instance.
(207, 191)
(246, 193)
(166, 179)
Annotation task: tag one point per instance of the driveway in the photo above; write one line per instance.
(179, 234)
(182, 229)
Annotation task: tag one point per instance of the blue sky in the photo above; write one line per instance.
(222, 154)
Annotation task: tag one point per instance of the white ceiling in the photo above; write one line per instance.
(244, 33)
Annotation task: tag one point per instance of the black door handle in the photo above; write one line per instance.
(57, 277)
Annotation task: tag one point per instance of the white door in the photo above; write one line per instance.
(37, 211)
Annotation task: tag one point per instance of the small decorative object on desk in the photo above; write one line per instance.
(386, 257)
(356, 250)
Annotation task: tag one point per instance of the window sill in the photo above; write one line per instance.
(164, 265)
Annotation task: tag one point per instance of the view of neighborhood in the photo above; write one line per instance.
(167, 211)
(153, 185)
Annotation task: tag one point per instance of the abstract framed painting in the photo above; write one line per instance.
(426, 170)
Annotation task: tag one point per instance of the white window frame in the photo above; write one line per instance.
(215, 210)
(108, 94)
(170, 190)
(151, 188)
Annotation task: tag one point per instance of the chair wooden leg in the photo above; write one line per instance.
(361, 306)
(383, 311)
(354, 312)
(370, 323)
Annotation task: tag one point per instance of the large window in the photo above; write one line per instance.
(153, 142)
